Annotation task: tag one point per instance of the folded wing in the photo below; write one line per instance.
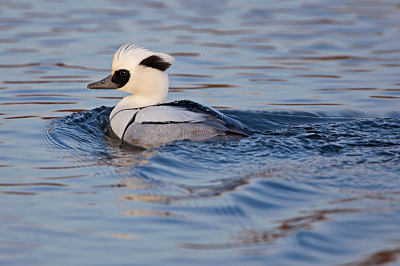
(163, 123)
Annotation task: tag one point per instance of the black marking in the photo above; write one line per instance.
(121, 77)
(127, 109)
(130, 123)
(230, 123)
(166, 122)
(156, 62)
(196, 107)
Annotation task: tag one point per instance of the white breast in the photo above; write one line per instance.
(120, 120)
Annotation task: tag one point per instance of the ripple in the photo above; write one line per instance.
(32, 184)
(37, 103)
(152, 213)
(81, 132)
(18, 193)
(124, 236)
(378, 258)
(20, 65)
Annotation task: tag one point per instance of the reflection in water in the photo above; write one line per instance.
(19, 117)
(148, 198)
(379, 258)
(152, 213)
(292, 226)
(32, 184)
(385, 97)
(37, 103)
(201, 86)
(124, 236)
(300, 104)
(20, 65)
(44, 81)
(252, 237)
(18, 193)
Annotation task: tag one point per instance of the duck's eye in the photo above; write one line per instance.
(123, 73)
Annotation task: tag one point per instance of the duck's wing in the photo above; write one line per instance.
(206, 113)
(165, 114)
(186, 117)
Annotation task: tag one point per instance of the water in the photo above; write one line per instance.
(317, 184)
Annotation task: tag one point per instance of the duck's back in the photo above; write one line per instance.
(159, 124)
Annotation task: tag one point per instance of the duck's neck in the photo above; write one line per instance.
(149, 87)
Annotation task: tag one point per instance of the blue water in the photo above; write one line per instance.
(317, 184)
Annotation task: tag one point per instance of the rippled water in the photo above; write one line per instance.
(317, 184)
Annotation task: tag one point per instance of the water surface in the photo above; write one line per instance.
(317, 184)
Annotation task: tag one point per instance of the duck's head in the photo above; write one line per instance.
(138, 71)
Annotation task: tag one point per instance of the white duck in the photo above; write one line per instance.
(143, 119)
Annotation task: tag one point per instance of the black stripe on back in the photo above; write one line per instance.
(166, 122)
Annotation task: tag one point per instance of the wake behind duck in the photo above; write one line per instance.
(143, 119)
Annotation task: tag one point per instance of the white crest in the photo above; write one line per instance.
(129, 56)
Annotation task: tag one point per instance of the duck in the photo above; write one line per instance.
(143, 118)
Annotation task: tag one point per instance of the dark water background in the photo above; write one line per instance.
(318, 184)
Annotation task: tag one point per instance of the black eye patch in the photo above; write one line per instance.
(121, 77)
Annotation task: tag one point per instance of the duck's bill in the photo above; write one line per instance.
(104, 84)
